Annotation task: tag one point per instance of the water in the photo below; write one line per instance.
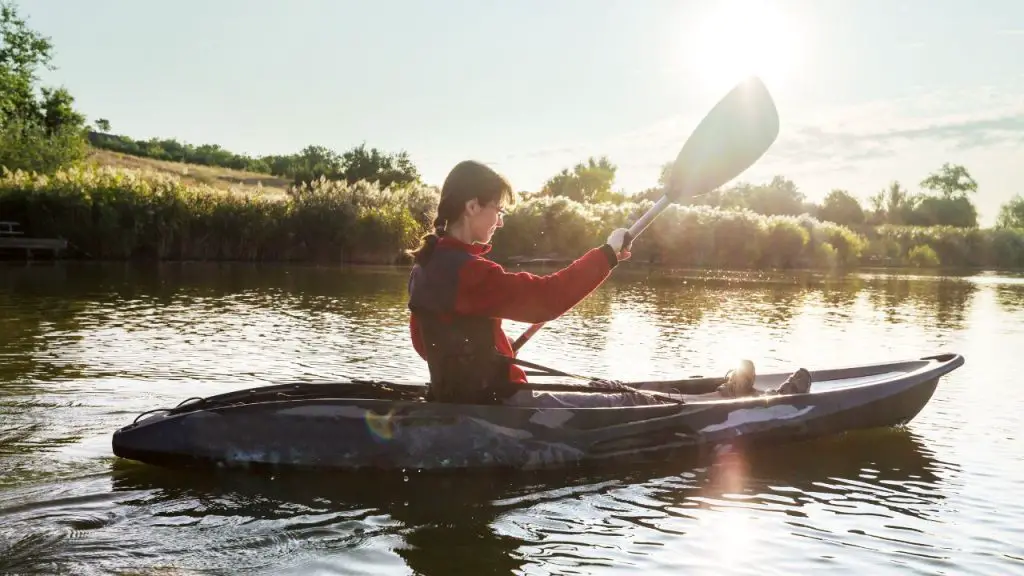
(86, 347)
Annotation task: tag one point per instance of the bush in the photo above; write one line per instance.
(923, 256)
(29, 146)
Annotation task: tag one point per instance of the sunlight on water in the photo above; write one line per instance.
(85, 348)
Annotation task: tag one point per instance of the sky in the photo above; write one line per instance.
(868, 91)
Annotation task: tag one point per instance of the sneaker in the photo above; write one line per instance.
(739, 381)
(799, 382)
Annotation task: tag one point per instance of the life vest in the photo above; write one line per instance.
(464, 364)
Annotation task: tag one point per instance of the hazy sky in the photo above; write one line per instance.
(868, 90)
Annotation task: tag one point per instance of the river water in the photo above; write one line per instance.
(85, 347)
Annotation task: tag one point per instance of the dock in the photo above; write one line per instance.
(12, 238)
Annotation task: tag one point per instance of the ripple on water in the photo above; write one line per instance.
(83, 353)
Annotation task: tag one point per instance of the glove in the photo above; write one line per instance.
(620, 241)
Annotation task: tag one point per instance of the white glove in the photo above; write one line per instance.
(617, 238)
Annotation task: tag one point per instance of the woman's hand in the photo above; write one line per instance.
(620, 241)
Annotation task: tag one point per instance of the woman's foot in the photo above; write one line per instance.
(740, 381)
(799, 382)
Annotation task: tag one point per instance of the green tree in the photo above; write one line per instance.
(778, 197)
(943, 211)
(57, 109)
(35, 134)
(22, 52)
(314, 162)
(841, 207)
(103, 125)
(376, 166)
(951, 206)
(1011, 214)
(588, 182)
(951, 181)
(893, 205)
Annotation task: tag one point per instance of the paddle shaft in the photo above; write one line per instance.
(638, 227)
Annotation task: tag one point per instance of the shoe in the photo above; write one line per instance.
(739, 381)
(799, 382)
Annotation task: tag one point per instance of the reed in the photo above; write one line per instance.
(116, 213)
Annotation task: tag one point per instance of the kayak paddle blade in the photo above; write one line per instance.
(730, 138)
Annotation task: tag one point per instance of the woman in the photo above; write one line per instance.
(458, 298)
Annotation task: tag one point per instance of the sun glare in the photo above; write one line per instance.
(734, 39)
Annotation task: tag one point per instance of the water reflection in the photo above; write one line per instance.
(944, 298)
(85, 347)
(491, 523)
(1011, 297)
(47, 309)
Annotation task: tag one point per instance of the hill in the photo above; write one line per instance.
(237, 181)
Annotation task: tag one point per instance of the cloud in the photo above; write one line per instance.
(860, 147)
(959, 121)
(964, 118)
(810, 143)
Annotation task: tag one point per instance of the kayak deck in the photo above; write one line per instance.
(387, 425)
(698, 389)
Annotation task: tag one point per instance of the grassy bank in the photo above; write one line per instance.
(112, 213)
(226, 179)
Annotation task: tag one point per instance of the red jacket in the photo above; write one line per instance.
(484, 288)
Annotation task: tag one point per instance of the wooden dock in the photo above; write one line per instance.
(11, 238)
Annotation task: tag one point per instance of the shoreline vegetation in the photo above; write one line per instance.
(109, 213)
(116, 198)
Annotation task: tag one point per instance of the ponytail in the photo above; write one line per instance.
(427, 243)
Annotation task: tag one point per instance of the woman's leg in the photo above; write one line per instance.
(541, 399)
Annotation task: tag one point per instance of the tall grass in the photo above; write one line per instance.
(682, 236)
(121, 214)
(124, 214)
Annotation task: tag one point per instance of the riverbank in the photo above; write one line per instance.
(120, 214)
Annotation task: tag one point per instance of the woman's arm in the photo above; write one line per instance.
(486, 289)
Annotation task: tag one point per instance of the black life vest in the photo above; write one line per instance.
(465, 366)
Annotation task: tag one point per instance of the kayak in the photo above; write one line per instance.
(380, 425)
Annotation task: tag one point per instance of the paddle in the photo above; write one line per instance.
(730, 138)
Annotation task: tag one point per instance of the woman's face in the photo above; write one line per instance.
(484, 219)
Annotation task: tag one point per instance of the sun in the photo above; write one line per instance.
(734, 39)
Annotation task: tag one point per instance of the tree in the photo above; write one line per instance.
(780, 196)
(841, 207)
(1011, 214)
(376, 166)
(666, 173)
(588, 182)
(951, 181)
(952, 206)
(35, 134)
(892, 205)
(22, 52)
(103, 125)
(314, 162)
(57, 109)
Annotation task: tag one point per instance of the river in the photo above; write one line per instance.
(85, 347)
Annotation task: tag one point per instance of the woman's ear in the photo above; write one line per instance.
(472, 207)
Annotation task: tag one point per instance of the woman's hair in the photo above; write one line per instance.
(469, 179)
